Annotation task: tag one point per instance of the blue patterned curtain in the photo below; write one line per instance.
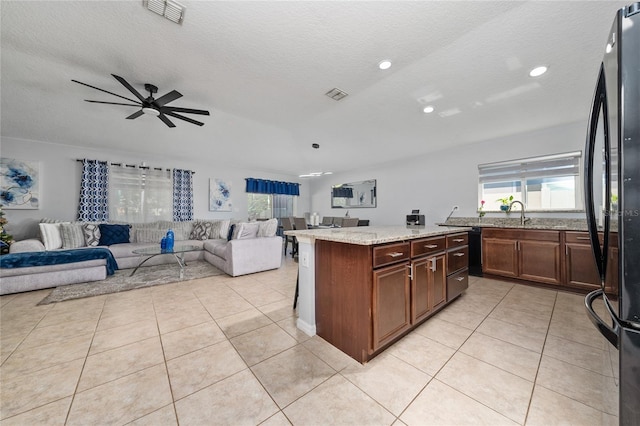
(94, 192)
(262, 186)
(182, 195)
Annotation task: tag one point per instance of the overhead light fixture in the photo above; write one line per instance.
(315, 174)
(538, 71)
(428, 109)
(384, 65)
(170, 9)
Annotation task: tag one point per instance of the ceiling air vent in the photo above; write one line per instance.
(171, 10)
(336, 94)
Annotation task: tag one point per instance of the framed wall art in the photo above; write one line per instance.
(219, 195)
(19, 184)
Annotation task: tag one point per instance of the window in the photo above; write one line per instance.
(139, 195)
(542, 183)
(267, 206)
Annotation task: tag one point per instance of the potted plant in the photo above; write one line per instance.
(506, 201)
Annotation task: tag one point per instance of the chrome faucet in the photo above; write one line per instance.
(523, 219)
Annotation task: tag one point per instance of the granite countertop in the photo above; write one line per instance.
(534, 223)
(370, 235)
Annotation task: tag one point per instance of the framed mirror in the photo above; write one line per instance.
(354, 195)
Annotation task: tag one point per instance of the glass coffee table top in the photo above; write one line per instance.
(178, 252)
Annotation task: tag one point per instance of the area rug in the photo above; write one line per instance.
(122, 281)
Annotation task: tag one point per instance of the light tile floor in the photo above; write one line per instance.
(224, 350)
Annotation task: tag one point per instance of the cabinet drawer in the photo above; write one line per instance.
(390, 253)
(457, 240)
(579, 237)
(427, 245)
(457, 259)
(457, 283)
(576, 237)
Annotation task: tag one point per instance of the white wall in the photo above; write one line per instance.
(60, 175)
(434, 183)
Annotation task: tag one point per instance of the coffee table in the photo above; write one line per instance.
(178, 252)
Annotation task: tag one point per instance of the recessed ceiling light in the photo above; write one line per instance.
(384, 65)
(428, 109)
(538, 71)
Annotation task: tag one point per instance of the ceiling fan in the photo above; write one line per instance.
(156, 107)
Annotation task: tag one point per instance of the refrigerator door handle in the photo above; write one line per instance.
(611, 333)
(599, 101)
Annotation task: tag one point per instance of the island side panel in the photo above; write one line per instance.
(344, 296)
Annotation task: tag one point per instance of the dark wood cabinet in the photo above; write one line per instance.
(532, 255)
(499, 256)
(561, 258)
(580, 267)
(367, 297)
(391, 307)
(428, 286)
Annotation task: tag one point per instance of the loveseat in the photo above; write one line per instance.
(236, 248)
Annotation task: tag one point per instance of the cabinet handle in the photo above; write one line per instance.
(583, 238)
(458, 254)
(395, 254)
(433, 264)
(431, 246)
(410, 271)
(460, 279)
(458, 240)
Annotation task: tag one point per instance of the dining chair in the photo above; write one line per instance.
(287, 225)
(326, 221)
(300, 223)
(349, 222)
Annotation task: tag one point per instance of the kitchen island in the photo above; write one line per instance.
(363, 288)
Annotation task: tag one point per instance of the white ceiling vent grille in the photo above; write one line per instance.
(336, 94)
(171, 10)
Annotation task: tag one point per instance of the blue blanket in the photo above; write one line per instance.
(57, 257)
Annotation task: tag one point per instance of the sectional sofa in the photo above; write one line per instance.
(236, 248)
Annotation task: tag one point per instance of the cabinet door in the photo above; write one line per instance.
(420, 307)
(540, 261)
(438, 281)
(500, 257)
(581, 267)
(391, 303)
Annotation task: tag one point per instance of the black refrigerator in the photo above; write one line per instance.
(612, 202)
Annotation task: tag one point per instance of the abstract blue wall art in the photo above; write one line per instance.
(219, 195)
(19, 184)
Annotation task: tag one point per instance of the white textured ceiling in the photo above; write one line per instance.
(262, 69)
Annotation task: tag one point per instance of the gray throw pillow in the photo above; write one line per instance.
(72, 235)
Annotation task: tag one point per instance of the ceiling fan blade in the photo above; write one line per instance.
(186, 110)
(135, 115)
(187, 119)
(129, 87)
(102, 90)
(112, 103)
(165, 120)
(169, 97)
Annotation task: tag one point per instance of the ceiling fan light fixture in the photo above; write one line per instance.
(151, 111)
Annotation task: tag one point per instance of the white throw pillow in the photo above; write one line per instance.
(268, 228)
(51, 237)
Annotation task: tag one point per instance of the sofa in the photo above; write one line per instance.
(237, 248)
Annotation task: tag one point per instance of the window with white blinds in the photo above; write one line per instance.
(140, 195)
(549, 182)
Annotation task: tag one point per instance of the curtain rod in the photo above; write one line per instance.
(131, 165)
